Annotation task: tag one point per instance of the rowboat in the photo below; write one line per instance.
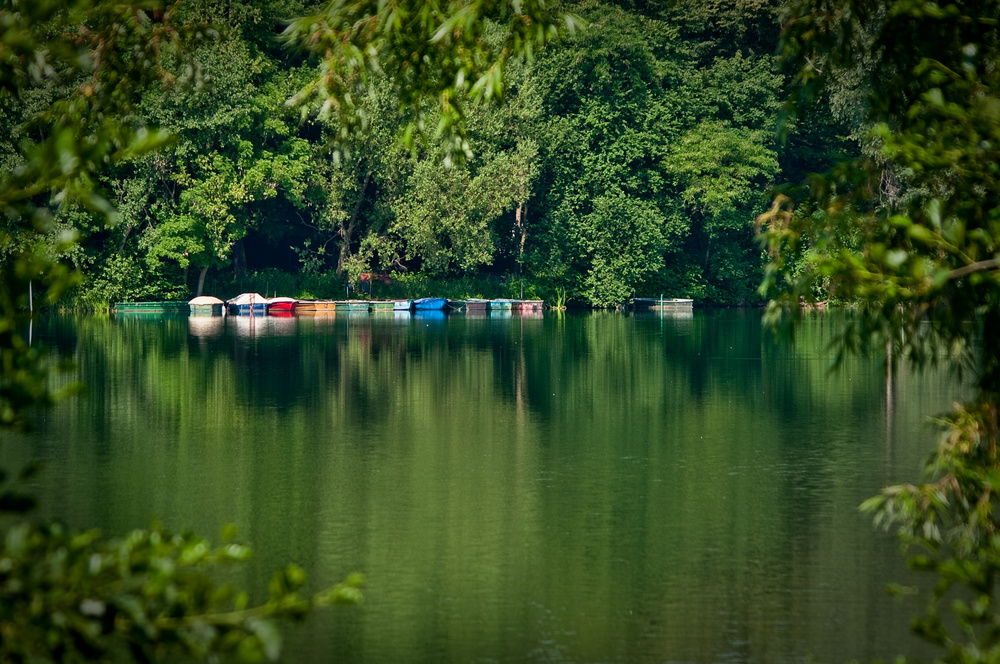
(162, 307)
(662, 304)
(281, 304)
(382, 306)
(527, 305)
(206, 305)
(402, 305)
(247, 304)
(477, 305)
(456, 305)
(430, 304)
(315, 306)
(501, 305)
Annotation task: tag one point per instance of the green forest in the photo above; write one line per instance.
(630, 157)
(732, 152)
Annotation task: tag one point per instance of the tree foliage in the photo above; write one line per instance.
(909, 233)
(438, 58)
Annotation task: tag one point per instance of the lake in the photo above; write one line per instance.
(597, 487)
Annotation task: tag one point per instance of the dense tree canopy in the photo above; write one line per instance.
(629, 158)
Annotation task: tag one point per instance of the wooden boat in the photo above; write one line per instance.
(281, 304)
(527, 305)
(206, 305)
(476, 305)
(161, 307)
(353, 306)
(501, 305)
(382, 306)
(315, 306)
(661, 304)
(402, 305)
(456, 305)
(247, 304)
(430, 304)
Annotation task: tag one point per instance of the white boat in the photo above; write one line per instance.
(246, 304)
(206, 305)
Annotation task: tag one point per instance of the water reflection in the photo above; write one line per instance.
(263, 326)
(565, 488)
(207, 326)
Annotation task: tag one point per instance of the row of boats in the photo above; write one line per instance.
(255, 304)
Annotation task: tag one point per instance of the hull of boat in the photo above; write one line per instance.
(255, 309)
(430, 304)
(314, 306)
(206, 309)
(167, 307)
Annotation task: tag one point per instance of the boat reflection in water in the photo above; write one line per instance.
(430, 314)
(206, 326)
(251, 326)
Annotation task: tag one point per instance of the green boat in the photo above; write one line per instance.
(164, 307)
(382, 306)
(206, 305)
(353, 305)
(662, 304)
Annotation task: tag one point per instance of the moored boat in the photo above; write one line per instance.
(402, 305)
(477, 305)
(527, 305)
(456, 305)
(281, 305)
(206, 305)
(501, 305)
(430, 304)
(162, 307)
(247, 304)
(315, 306)
(382, 306)
(661, 304)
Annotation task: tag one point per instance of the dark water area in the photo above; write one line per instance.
(580, 488)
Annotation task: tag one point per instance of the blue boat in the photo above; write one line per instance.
(248, 304)
(430, 304)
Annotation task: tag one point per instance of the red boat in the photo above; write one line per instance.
(281, 305)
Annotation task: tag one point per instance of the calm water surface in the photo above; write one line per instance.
(579, 488)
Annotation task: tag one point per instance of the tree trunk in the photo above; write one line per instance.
(239, 258)
(520, 222)
(201, 280)
(347, 232)
(128, 232)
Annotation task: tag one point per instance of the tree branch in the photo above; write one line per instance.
(974, 267)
